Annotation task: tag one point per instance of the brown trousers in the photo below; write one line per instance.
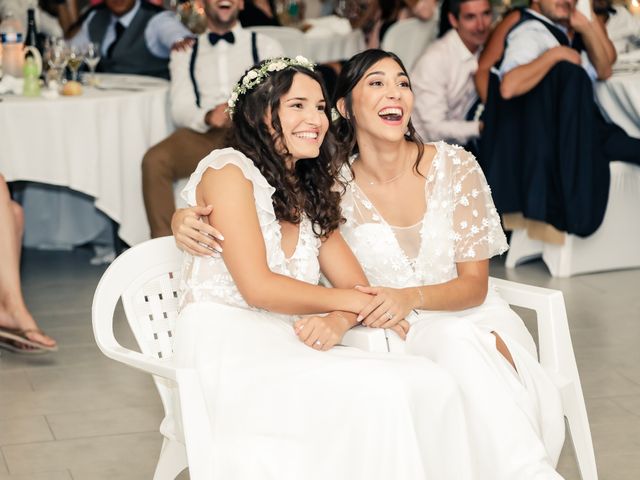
(173, 158)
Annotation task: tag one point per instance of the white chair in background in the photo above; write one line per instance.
(409, 38)
(291, 39)
(613, 246)
(146, 279)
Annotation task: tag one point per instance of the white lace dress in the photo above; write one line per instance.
(515, 420)
(281, 410)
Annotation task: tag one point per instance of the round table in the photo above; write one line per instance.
(619, 99)
(93, 144)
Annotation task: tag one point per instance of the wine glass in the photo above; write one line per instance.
(74, 61)
(92, 58)
(56, 58)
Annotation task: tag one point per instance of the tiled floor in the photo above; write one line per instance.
(77, 415)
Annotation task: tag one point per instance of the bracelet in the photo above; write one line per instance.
(421, 297)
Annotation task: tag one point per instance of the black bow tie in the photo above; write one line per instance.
(215, 38)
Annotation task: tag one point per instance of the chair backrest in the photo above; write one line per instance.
(291, 39)
(146, 278)
(409, 38)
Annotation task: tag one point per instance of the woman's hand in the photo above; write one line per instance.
(322, 332)
(387, 307)
(193, 235)
(402, 329)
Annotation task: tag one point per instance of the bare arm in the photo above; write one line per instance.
(492, 52)
(231, 197)
(468, 290)
(599, 47)
(524, 78)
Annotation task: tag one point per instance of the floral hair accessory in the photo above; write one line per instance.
(256, 76)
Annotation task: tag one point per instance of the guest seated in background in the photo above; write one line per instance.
(545, 147)
(202, 75)
(623, 27)
(446, 101)
(135, 36)
(19, 332)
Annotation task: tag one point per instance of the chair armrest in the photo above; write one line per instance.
(527, 296)
(155, 366)
(367, 339)
(373, 340)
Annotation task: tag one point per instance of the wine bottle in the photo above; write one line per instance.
(32, 39)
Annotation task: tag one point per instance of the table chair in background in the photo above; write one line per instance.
(409, 38)
(613, 246)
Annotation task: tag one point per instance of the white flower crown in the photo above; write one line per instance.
(256, 76)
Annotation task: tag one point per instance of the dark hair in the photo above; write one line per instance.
(308, 188)
(451, 7)
(352, 73)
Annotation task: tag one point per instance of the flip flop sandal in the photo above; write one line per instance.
(12, 340)
(10, 345)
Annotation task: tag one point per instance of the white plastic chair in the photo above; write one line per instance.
(146, 278)
(409, 38)
(613, 246)
(291, 39)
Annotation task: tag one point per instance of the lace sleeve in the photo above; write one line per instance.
(477, 231)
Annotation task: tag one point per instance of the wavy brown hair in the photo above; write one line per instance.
(352, 72)
(307, 188)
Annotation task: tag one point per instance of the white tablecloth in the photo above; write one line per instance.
(92, 143)
(619, 99)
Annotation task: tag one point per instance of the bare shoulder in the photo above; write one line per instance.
(226, 182)
(429, 153)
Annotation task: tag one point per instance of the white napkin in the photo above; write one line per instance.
(10, 84)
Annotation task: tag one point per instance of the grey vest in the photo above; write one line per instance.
(131, 54)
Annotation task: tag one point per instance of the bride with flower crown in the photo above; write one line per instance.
(284, 401)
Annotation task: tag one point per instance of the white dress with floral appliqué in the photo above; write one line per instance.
(515, 419)
(281, 410)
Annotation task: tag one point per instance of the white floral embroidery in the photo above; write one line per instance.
(207, 279)
(452, 229)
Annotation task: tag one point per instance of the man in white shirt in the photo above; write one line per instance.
(202, 76)
(442, 79)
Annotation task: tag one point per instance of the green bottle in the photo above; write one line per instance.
(31, 86)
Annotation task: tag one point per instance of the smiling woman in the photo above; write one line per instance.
(277, 385)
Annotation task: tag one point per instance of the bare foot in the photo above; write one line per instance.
(22, 320)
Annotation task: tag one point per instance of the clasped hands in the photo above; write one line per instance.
(387, 308)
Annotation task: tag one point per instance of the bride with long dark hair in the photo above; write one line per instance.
(284, 402)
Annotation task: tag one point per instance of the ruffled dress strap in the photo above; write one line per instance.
(218, 159)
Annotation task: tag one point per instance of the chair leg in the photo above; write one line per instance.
(522, 248)
(172, 461)
(576, 413)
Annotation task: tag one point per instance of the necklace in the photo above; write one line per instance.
(384, 182)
